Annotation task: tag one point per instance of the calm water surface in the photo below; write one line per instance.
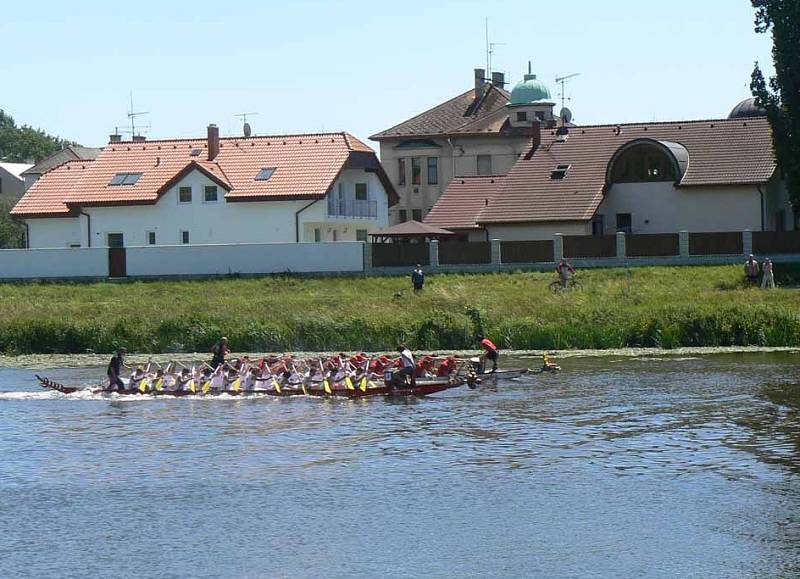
(618, 467)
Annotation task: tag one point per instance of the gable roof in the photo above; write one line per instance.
(459, 115)
(720, 152)
(306, 167)
(15, 169)
(463, 201)
(71, 153)
(412, 229)
(49, 200)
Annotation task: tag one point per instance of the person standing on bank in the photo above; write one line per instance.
(767, 279)
(751, 270)
(114, 371)
(219, 351)
(418, 278)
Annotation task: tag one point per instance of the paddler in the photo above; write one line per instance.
(114, 370)
(447, 367)
(407, 365)
(219, 351)
(490, 352)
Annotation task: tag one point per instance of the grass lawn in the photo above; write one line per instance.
(655, 306)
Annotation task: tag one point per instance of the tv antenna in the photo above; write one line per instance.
(562, 81)
(246, 126)
(490, 51)
(132, 114)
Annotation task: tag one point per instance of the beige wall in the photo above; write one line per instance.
(663, 208)
(457, 157)
(534, 231)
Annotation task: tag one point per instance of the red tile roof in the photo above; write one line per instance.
(463, 201)
(306, 166)
(459, 115)
(721, 152)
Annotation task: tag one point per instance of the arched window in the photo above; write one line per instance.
(643, 163)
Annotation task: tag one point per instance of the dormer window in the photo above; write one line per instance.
(125, 179)
(560, 172)
(265, 173)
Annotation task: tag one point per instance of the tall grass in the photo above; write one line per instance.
(662, 307)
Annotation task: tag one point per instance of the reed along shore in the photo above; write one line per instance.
(663, 307)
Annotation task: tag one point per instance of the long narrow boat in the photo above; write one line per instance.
(422, 388)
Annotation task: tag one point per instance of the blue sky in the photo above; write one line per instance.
(307, 66)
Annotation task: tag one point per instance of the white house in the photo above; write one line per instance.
(662, 177)
(259, 189)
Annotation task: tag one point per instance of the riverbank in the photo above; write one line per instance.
(662, 307)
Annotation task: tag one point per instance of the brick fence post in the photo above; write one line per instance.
(433, 253)
(558, 247)
(747, 242)
(683, 243)
(497, 258)
(621, 253)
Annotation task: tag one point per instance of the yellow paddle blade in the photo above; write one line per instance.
(327, 387)
(159, 385)
(206, 386)
(305, 390)
(349, 383)
(372, 384)
(276, 386)
(237, 385)
(363, 384)
(143, 386)
(191, 387)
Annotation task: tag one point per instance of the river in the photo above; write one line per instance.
(620, 466)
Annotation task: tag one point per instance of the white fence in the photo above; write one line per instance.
(185, 260)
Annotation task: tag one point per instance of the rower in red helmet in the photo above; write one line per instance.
(490, 352)
(447, 367)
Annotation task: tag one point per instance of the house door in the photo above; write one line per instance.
(116, 255)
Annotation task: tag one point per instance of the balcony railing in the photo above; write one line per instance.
(351, 208)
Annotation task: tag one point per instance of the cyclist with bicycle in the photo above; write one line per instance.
(565, 271)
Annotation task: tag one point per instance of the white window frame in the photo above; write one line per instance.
(191, 195)
(147, 237)
(216, 188)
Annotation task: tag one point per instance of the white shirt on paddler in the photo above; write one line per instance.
(406, 358)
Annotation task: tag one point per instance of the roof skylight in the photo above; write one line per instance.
(265, 173)
(125, 179)
(560, 172)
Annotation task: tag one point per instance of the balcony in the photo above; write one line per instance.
(352, 209)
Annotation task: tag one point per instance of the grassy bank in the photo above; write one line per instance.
(651, 307)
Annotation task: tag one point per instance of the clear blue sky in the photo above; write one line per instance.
(360, 66)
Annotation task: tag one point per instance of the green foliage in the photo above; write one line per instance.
(644, 307)
(782, 98)
(12, 232)
(22, 144)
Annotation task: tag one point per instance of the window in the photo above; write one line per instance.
(335, 235)
(265, 173)
(151, 238)
(115, 240)
(522, 116)
(125, 179)
(416, 214)
(361, 191)
(210, 194)
(624, 222)
(416, 171)
(484, 164)
(560, 172)
(361, 234)
(185, 237)
(433, 170)
(642, 163)
(402, 215)
(539, 116)
(598, 225)
(317, 235)
(401, 172)
(184, 194)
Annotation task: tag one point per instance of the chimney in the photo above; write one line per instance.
(139, 138)
(213, 142)
(480, 79)
(115, 138)
(536, 138)
(498, 79)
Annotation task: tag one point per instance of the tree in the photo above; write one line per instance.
(12, 231)
(22, 144)
(781, 99)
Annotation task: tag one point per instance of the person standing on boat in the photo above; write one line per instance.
(418, 278)
(114, 370)
(219, 351)
(407, 365)
(490, 352)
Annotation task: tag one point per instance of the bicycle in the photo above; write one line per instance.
(571, 284)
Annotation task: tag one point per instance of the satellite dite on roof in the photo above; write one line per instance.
(246, 130)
